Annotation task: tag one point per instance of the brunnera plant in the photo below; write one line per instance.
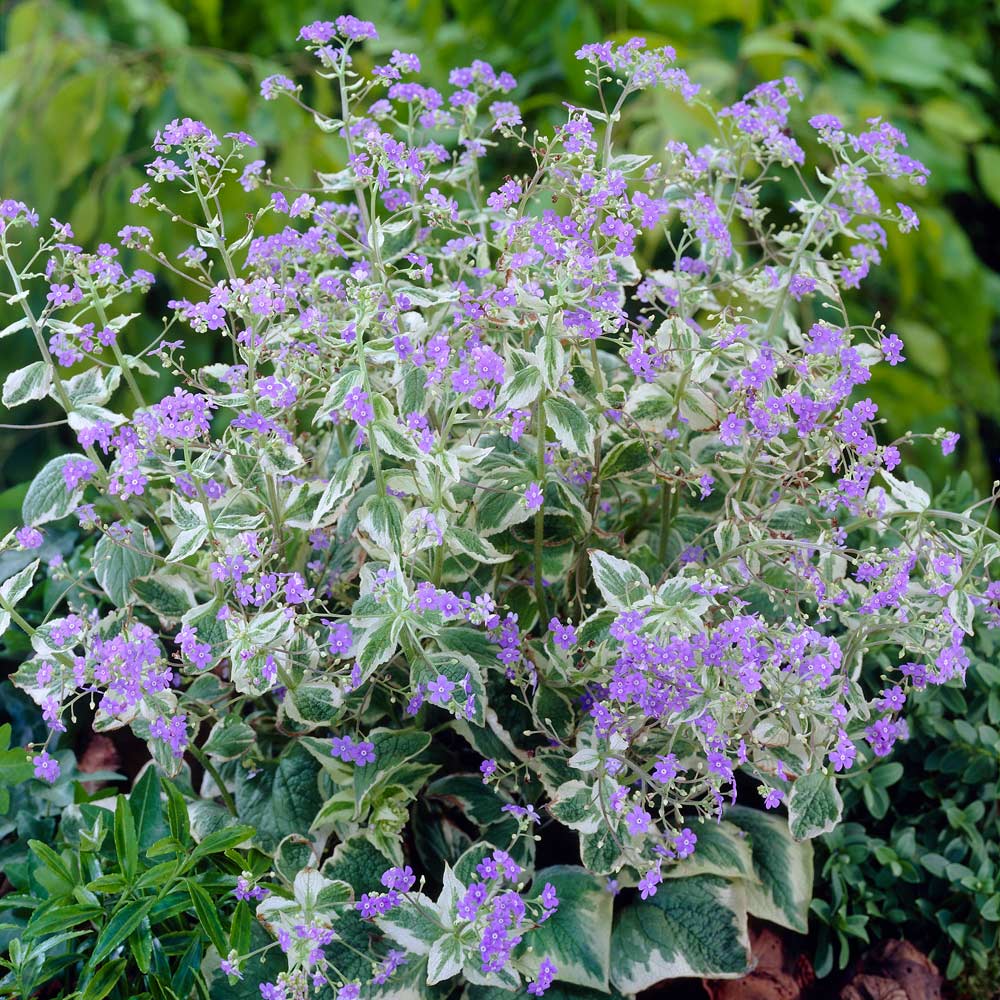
(486, 544)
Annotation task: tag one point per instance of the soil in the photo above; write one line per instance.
(891, 970)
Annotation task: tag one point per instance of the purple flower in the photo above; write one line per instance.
(246, 889)
(564, 636)
(172, 732)
(649, 882)
(46, 767)
(533, 497)
(28, 537)
(772, 797)
(354, 29)
(439, 690)
(637, 820)
(665, 769)
(401, 879)
(363, 753)
(844, 754)
(230, 969)
(948, 442)
(546, 974)
(892, 349)
(892, 700)
(358, 408)
(548, 897)
(684, 843)
(277, 83)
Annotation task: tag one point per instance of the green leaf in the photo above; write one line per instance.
(624, 457)
(140, 944)
(187, 542)
(14, 767)
(551, 360)
(521, 390)
(619, 581)
(313, 704)
(48, 498)
(54, 862)
(445, 959)
(229, 738)
(220, 841)
(15, 327)
(177, 814)
(393, 748)
(118, 928)
(126, 842)
(988, 171)
(208, 916)
(93, 387)
(346, 476)
(415, 926)
(280, 799)
(358, 863)
(13, 589)
(473, 544)
(394, 442)
(117, 564)
(814, 806)
(108, 976)
(570, 425)
(382, 523)
(147, 809)
(478, 802)
(692, 927)
(577, 937)
(60, 917)
(292, 855)
(723, 850)
(377, 645)
(241, 928)
(26, 384)
(169, 595)
(784, 869)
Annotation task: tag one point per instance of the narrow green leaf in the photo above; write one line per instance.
(107, 978)
(208, 916)
(239, 931)
(177, 814)
(220, 841)
(147, 809)
(118, 928)
(126, 842)
(52, 861)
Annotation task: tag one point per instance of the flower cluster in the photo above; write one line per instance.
(474, 468)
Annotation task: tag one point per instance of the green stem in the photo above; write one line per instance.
(540, 431)
(15, 617)
(115, 349)
(210, 768)
(666, 518)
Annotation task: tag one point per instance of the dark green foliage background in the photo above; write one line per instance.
(84, 86)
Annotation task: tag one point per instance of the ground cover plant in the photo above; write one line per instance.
(499, 616)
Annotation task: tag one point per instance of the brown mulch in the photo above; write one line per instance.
(892, 970)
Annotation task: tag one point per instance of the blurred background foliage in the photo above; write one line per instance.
(84, 84)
